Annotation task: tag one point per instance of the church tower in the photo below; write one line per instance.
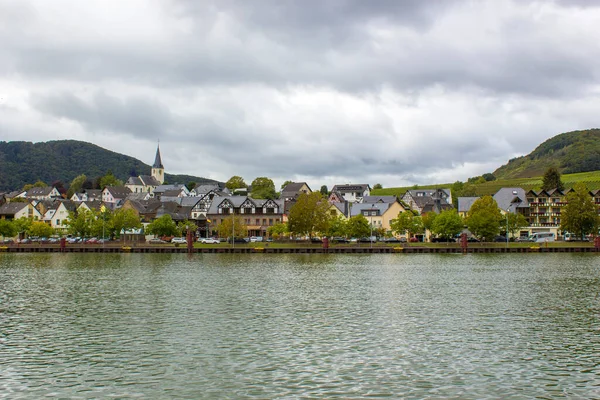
(158, 171)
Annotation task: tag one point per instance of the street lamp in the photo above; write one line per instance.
(371, 237)
(507, 211)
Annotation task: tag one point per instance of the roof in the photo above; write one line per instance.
(12, 208)
(118, 191)
(511, 198)
(237, 201)
(358, 208)
(465, 203)
(342, 206)
(149, 180)
(40, 191)
(351, 187)
(292, 188)
(157, 160)
(380, 199)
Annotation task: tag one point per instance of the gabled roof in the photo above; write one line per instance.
(465, 203)
(134, 180)
(40, 191)
(12, 208)
(342, 206)
(380, 199)
(149, 180)
(118, 192)
(237, 201)
(511, 199)
(358, 208)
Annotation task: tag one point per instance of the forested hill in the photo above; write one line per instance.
(570, 152)
(25, 162)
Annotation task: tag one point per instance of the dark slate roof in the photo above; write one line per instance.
(511, 198)
(149, 180)
(93, 194)
(157, 159)
(465, 203)
(39, 191)
(342, 206)
(134, 180)
(380, 199)
(351, 188)
(12, 208)
(358, 208)
(118, 192)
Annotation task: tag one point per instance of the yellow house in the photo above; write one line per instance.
(379, 213)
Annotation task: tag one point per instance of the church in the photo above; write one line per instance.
(147, 183)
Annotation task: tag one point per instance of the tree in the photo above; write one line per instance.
(552, 180)
(235, 182)
(407, 222)
(377, 186)
(338, 227)
(358, 227)
(488, 177)
(80, 223)
(101, 223)
(278, 230)
(324, 191)
(580, 215)
(7, 228)
(124, 220)
(483, 219)
(310, 214)
(183, 226)
(447, 224)
(76, 185)
(163, 226)
(263, 188)
(191, 185)
(40, 229)
(285, 184)
(428, 219)
(109, 180)
(239, 228)
(516, 222)
(22, 224)
(40, 184)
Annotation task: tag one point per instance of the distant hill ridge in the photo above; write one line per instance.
(570, 152)
(26, 162)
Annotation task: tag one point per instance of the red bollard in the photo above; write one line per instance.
(190, 241)
(63, 244)
(597, 243)
(464, 242)
(325, 243)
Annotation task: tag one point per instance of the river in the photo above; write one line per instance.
(299, 326)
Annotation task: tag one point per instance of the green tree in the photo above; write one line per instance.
(7, 228)
(580, 215)
(235, 182)
(407, 222)
(428, 219)
(263, 188)
(358, 227)
(80, 223)
(182, 227)
(377, 186)
(101, 223)
(552, 180)
(309, 215)
(22, 224)
(41, 229)
(516, 222)
(239, 228)
(278, 230)
(488, 177)
(163, 226)
(124, 220)
(447, 224)
(76, 185)
(483, 219)
(338, 227)
(191, 185)
(40, 184)
(109, 180)
(324, 191)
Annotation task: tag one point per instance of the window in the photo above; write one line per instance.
(366, 213)
(257, 221)
(373, 213)
(270, 221)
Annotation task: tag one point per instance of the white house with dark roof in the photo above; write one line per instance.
(353, 193)
(115, 194)
(16, 210)
(43, 193)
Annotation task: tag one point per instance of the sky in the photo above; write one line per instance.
(328, 92)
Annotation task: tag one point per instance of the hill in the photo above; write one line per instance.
(570, 152)
(25, 162)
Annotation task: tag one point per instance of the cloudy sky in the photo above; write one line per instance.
(339, 91)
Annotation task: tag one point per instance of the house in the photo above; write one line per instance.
(142, 184)
(87, 195)
(545, 208)
(258, 214)
(43, 193)
(175, 190)
(293, 190)
(145, 209)
(58, 214)
(464, 205)
(354, 193)
(16, 210)
(428, 200)
(115, 194)
(95, 205)
(379, 214)
(202, 190)
(340, 208)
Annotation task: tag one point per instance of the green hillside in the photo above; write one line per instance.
(25, 162)
(591, 179)
(570, 152)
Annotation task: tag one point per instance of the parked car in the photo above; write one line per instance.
(393, 240)
(92, 240)
(413, 239)
(179, 240)
(441, 240)
(103, 240)
(73, 240)
(256, 239)
(156, 241)
(339, 240)
(237, 240)
(371, 239)
(500, 239)
(167, 238)
(209, 240)
(25, 241)
(53, 240)
(8, 241)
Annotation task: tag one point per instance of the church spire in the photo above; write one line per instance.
(157, 159)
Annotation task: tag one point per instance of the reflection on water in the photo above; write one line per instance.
(179, 326)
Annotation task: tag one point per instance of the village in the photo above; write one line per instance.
(208, 206)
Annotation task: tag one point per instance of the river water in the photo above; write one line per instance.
(299, 326)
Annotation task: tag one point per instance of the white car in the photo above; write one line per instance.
(179, 240)
(210, 241)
